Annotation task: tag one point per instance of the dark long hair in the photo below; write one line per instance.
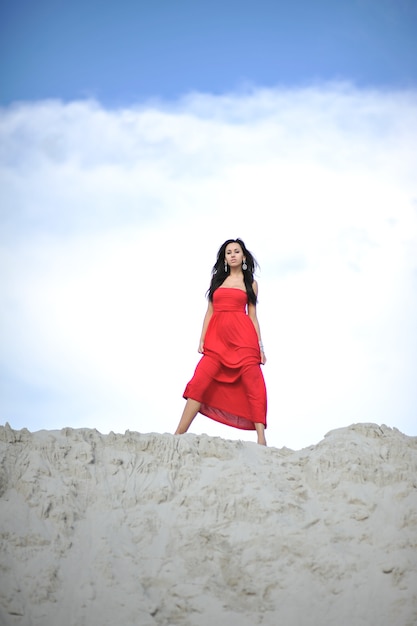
(219, 274)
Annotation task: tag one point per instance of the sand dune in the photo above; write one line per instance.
(157, 530)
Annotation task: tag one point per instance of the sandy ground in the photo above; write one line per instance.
(157, 530)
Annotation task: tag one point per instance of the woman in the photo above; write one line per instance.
(228, 384)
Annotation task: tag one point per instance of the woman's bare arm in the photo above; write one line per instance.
(206, 321)
(252, 314)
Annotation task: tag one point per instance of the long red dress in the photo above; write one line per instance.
(228, 381)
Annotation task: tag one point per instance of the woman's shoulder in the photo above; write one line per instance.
(255, 287)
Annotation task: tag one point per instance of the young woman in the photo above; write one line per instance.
(228, 384)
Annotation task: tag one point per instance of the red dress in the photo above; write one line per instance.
(228, 381)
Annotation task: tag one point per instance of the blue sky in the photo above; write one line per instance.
(135, 139)
(124, 52)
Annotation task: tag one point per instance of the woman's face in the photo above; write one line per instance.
(234, 255)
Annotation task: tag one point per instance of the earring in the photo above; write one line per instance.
(244, 266)
(225, 267)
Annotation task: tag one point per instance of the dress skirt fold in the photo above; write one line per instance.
(228, 381)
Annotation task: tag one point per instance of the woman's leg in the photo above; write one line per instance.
(190, 411)
(204, 373)
(254, 384)
(260, 431)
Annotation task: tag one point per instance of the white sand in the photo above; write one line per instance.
(145, 530)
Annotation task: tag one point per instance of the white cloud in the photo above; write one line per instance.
(111, 221)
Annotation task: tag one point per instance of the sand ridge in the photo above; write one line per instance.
(158, 530)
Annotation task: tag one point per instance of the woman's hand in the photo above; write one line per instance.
(263, 357)
(201, 347)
